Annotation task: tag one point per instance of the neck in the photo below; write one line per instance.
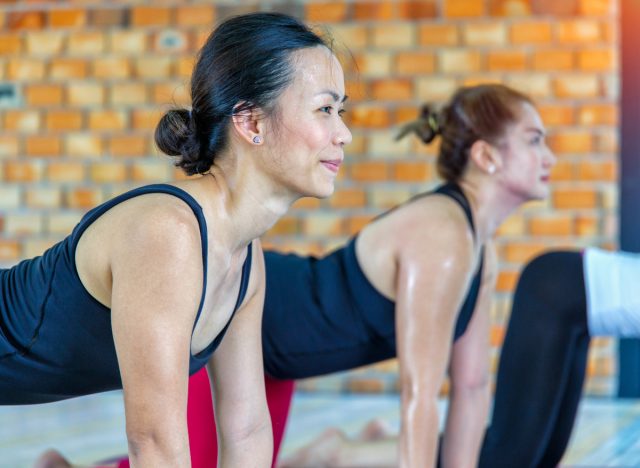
(248, 202)
(490, 205)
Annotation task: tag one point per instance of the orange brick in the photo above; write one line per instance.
(506, 61)
(22, 121)
(577, 86)
(108, 172)
(506, 281)
(132, 145)
(411, 171)
(393, 36)
(164, 93)
(150, 16)
(128, 94)
(362, 385)
(497, 335)
(417, 9)
(348, 198)
(85, 94)
(379, 10)
(153, 67)
(146, 119)
(9, 250)
(563, 170)
(105, 17)
(107, 120)
(150, 171)
(184, 67)
(129, 42)
(510, 7)
(571, 143)
(15, 171)
(10, 44)
(459, 61)
(71, 18)
(553, 60)
(392, 89)
(556, 114)
(44, 95)
(355, 224)
(83, 198)
(331, 12)
(287, 225)
(43, 146)
(195, 15)
(587, 226)
(531, 33)
(438, 34)
(25, 70)
(112, 68)
(598, 114)
(307, 203)
(322, 224)
(369, 117)
(45, 43)
(64, 120)
(575, 198)
(25, 20)
(597, 8)
(551, 226)
(89, 43)
(369, 171)
(579, 31)
(597, 171)
(522, 252)
(463, 8)
(350, 36)
(371, 64)
(84, 145)
(65, 172)
(356, 90)
(415, 63)
(43, 197)
(65, 69)
(8, 146)
(554, 8)
(484, 34)
(596, 60)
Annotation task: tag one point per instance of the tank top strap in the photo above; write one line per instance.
(454, 192)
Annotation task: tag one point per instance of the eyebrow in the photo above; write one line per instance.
(535, 130)
(334, 95)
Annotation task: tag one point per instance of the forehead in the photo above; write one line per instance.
(315, 69)
(528, 116)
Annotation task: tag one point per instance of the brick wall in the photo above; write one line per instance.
(82, 84)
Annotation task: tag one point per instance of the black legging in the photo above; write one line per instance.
(542, 366)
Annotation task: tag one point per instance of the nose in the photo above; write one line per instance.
(550, 158)
(343, 134)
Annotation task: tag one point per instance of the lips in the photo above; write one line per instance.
(332, 164)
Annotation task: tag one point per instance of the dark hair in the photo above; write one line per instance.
(243, 65)
(481, 112)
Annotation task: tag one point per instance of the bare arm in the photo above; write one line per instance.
(433, 275)
(156, 268)
(469, 372)
(237, 377)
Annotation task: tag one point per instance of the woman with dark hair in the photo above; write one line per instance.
(142, 292)
(415, 283)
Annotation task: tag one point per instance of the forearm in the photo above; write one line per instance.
(418, 442)
(465, 426)
(252, 450)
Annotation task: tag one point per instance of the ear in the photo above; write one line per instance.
(248, 124)
(485, 156)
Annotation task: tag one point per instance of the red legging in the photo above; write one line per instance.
(202, 427)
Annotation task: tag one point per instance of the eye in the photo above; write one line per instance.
(341, 112)
(536, 140)
(326, 109)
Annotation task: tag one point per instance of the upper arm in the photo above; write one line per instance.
(154, 301)
(470, 354)
(236, 367)
(434, 269)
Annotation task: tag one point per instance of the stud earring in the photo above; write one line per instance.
(257, 139)
(491, 169)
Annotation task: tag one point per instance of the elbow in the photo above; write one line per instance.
(155, 445)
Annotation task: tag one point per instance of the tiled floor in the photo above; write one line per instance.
(92, 428)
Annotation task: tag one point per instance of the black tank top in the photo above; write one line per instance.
(56, 340)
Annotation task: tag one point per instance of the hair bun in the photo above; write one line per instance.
(176, 136)
(426, 127)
